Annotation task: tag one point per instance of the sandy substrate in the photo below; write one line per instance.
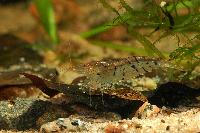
(184, 122)
(54, 119)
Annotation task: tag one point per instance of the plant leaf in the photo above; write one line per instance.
(47, 18)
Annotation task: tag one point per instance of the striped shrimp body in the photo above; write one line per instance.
(139, 73)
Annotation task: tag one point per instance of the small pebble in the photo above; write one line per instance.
(22, 59)
(76, 123)
(167, 128)
(162, 121)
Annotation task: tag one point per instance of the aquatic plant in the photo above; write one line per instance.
(165, 18)
(47, 18)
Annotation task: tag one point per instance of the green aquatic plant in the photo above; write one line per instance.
(165, 18)
(47, 18)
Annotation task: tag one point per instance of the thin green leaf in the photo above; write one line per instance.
(47, 18)
(146, 43)
(180, 4)
(105, 27)
(97, 30)
(120, 47)
(107, 5)
(127, 7)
